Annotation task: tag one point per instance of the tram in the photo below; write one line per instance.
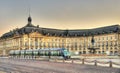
(46, 53)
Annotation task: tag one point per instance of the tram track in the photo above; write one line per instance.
(19, 69)
(34, 66)
(13, 68)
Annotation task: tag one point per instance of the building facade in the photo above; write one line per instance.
(107, 39)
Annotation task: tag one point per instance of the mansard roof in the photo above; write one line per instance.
(29, 28)
(95, 31)
(63, 33)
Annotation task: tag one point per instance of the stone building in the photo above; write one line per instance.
(107, 39)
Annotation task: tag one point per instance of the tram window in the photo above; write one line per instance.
(61, 53)
(42, 53)
(52, 53)
(57, 53)
(45, 53)
(38, 53)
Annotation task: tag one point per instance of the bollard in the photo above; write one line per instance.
(95, 63)
(72, 61)
(82, 61)
(110, 63)
(63, 61)
(55, 60)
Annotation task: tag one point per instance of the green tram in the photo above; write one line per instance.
(45, 53)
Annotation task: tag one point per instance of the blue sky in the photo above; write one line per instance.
(59, 14)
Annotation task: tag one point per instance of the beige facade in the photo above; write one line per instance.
(34, 40)
(108, 42)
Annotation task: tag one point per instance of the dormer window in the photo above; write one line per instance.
(37, 26)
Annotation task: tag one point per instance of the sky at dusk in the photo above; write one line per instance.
(59, 14)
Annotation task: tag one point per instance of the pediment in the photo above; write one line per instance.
(35, 34)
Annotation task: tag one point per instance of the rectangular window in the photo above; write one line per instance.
(111, 37)
(84, 52)
(103, 38)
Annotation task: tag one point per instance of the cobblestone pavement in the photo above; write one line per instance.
(34, 66)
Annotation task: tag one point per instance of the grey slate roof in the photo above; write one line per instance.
(62, 33)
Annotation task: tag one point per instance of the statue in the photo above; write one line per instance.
(92, 49)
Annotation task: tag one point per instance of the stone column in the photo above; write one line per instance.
(33, 43)
(4, 52)
(19, 43)
(38, 44)
(29, 43)
(118, 39)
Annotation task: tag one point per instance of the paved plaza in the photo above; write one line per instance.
(35, 66)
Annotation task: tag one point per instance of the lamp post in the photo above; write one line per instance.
(93, 42)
